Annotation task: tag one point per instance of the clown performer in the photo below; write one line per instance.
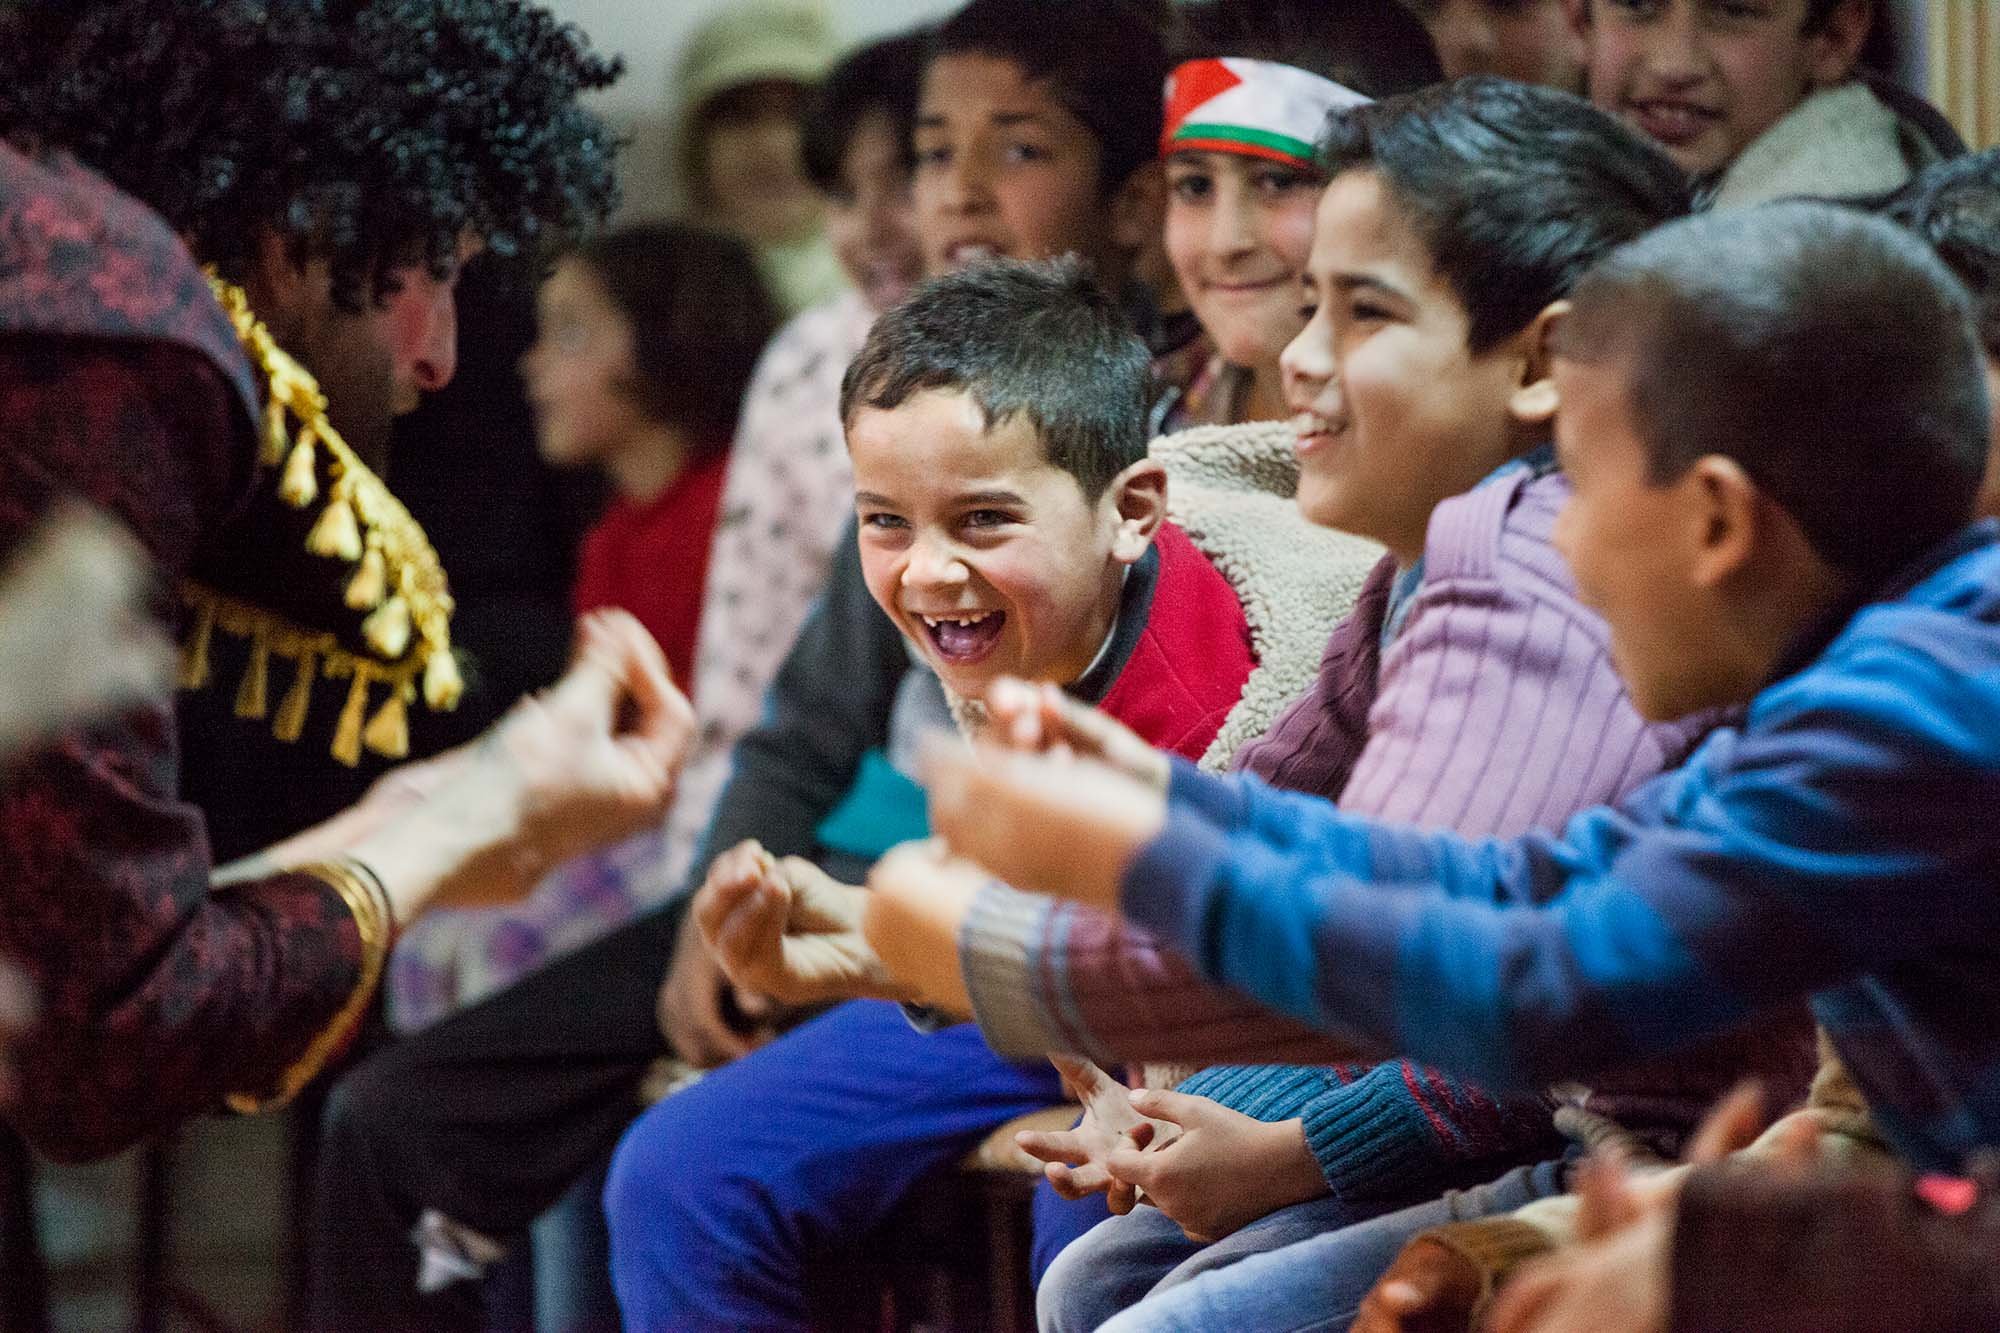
(331, 173)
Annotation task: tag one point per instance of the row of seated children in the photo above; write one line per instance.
(1801, 851)
(1787, 1059)
(992, 178)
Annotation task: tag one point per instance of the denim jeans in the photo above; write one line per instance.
(1318, 1283)
(1121, 1261)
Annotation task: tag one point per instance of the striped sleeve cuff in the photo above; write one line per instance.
(997, 955)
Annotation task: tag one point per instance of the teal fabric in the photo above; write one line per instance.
(881, 809)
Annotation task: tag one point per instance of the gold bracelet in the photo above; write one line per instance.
(368, 901)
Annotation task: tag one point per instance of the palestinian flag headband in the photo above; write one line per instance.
(1254, 107)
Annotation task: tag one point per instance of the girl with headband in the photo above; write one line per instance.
(1243, 112)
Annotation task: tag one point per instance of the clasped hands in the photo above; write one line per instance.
(1055, 797)
(1211, 1170)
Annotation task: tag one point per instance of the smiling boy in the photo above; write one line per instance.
(1756, 96)
(1010, 521)
(1029, 145)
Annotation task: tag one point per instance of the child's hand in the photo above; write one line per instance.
(917, 897)
(788, 930)
(1061, 826)
(1077, 1157)
(1224, 1171)
(1040, 718)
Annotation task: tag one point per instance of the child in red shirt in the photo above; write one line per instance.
(646, 339)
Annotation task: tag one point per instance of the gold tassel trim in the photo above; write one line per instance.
(194, 653)
(290, 722)
(336, 533)
(300, 485)
(363, 521)
(387, 628)
(370, 583)
(389, 733)
(319, 656)
(252, 695)
(347, 733)
(442, 683)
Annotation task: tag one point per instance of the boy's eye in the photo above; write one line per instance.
(1024, 152)
(1638, 9)
(988, 518)
(1366, 312)
(883, 522)
(932, 155)
(1192, 187)
(1309, 311)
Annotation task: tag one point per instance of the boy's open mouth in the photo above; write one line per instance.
(964, 638)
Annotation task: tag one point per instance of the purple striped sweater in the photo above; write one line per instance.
(1494, 710)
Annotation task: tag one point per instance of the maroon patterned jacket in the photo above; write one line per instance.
(121, 384)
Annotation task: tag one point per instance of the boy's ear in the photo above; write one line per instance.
(1534, 402)
(1835, 48)
(1139, 209)
(1728, 512)
(1138, 497)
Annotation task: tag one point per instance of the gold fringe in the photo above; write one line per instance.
(370, 583)
(442, 683)
(389, 733)
(290, 723)
(336, 533)
(252, 694)
(194, 653)
(300, 486)
(375, 525)
(274, 433)
(387, 628)
(347, 733)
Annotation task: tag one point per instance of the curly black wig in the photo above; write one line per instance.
(372, 133)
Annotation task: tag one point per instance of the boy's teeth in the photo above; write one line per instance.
(935, 621)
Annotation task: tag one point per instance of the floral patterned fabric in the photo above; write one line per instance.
(121, 385)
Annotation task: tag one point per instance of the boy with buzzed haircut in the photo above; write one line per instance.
(1798, 544)
(1759, 100)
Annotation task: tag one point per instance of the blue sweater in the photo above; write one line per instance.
(1841, 843)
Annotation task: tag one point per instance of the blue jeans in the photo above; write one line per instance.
(1122, 1260)
(723, 1197)
(1318, 1284)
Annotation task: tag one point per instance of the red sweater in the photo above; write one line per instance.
(652, 560)
(1187, 669)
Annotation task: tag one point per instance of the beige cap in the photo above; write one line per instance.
(751, 41)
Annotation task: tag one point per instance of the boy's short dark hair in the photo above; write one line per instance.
(1036, 339)
(1103, 59)
(1375, 47)
(700, 317)
(1955, 205)
(881, 79)
(1516, 190)
(1830, 353)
